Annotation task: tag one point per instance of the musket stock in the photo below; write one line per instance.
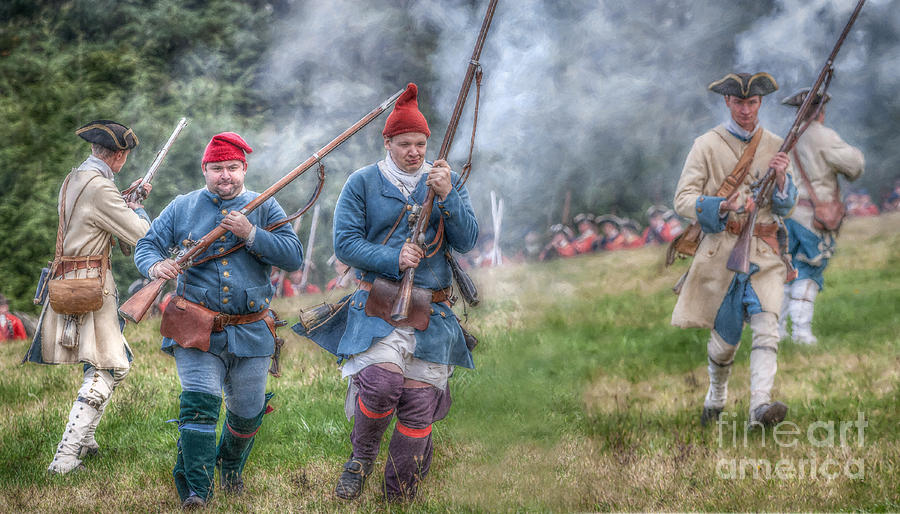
(400, 309)
(137, 306)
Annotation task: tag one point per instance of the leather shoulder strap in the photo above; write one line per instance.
(814, 198)
(63, 225)
(742, 167)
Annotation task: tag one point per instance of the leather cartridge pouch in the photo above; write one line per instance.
(187, 323)
(77, 295)
(190, 324)
(828, 216)
(381, 302)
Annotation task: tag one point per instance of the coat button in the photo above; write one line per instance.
(443, 314)
(225, 289)
(252, 303)
(224, 211)
(224, 262)
(699, 209)
(224, 300)
(447, 213)
(226, 274)
(408, 207)
(267, 300)
(221, 249)
(222, 238)
(432, 311)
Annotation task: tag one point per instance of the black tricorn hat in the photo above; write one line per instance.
(796, 99)
(744, 85)
(108, 134)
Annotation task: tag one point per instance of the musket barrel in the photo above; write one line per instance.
(739, 260)
(400, 309)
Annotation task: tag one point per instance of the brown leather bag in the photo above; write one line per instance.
(187, 323)
(381, 302)
(827, 216)
(687, 242)
(74, 296)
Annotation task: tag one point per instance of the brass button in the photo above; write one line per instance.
(432, 311)
(252, 303)
(446, 213)
(224, 300)
(699, 209)
(222, 238)
(221, 249)
(224, 262)
(408, 207)
(443, 314)
(224, 211)
(267, 300)
(226, 274)
(215, 200)
(225, 289)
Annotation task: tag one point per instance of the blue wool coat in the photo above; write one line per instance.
(237, 283)
(365, 212)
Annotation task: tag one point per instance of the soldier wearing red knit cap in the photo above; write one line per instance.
(395, 369)
(235, 283)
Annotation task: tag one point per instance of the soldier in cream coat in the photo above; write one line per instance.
(95, 211)
(712, 296)
(823, 155)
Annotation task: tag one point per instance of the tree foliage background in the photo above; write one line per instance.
(599, 99)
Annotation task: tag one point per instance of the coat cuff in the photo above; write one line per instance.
(708, 216)
(783, 201)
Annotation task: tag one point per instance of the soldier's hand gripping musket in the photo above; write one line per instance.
(137, 306)
(136, 193)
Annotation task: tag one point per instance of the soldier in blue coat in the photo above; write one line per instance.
(396, 368)
(235, 283)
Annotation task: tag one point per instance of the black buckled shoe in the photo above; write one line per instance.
(193, 502)
(709, 414)
(769, 414)
(350, 484)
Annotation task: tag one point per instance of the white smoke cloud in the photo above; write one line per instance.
(591, 97)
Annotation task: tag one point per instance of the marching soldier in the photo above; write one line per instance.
(712, 296)
(91, 211)
(819, 157)
(230, 284)
(397, 368)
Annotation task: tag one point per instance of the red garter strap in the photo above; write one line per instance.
(240, 435)
(370, 414)
(413, 432)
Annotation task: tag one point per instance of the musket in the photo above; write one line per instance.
(136, 192)
(137, 306)
(739, 260)
(400, 309)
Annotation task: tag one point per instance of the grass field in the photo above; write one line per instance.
(584, 399)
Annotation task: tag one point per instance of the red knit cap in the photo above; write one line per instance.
(226, 146)
(406, 116)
